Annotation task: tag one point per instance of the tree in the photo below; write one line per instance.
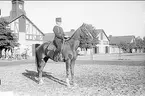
(139, 43)
(130, 47)
(143, 44)
(123, 46)
(8, 40)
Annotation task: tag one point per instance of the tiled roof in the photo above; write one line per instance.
(48, 37)
(114, 40)
(7, 18)
(69, 34)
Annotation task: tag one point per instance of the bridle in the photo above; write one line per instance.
(87, 33)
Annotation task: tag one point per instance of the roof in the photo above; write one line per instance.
(114, 40)
(69, 34)
(7, 18)
(28, 20)
(48, 37)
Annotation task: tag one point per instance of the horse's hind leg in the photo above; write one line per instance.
(40, 69)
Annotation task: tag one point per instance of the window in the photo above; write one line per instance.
(30, 36)
(27, 37)
(101, 36)
(34, 37)
(105, 42)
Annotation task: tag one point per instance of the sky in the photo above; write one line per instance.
(116, 18)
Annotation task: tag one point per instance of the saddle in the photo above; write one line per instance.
(51, 46)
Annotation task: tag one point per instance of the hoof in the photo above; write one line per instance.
(68, 86)
(75, 84)
(68, 83)
(40, 82)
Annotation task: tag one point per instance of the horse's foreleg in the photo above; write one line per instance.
(72, 71)
(67, 72)
(40, 71)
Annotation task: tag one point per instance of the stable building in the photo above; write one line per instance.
(103, 46)
(116, 40)
(27, 32)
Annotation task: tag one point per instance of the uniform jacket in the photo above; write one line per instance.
(59, 35)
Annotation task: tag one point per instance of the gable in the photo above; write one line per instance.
(133, 40)
(32, 32)
(16, 20)
(101, 35)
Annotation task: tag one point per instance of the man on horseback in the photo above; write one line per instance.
(58, 39)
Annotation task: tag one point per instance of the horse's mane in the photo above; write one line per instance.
(83, 25)
(72, 35)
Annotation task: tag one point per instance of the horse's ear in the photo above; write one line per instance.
(83, 25)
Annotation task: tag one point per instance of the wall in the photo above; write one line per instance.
(115, 49)
(26, 44)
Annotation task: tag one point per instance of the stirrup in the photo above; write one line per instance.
(55, 59)
(61, 58)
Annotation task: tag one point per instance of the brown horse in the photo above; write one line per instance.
(46, 50)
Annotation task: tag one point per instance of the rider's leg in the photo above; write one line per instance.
(57, 57)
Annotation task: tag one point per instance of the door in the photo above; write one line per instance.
(106, 49)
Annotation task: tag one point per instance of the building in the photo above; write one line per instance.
(103, 46)
(27, 32)
(115, 40)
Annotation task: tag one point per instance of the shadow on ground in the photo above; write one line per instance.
(33, 75)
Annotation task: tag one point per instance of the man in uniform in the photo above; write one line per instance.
(58, 39)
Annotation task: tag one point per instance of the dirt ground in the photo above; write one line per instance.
(98, 79)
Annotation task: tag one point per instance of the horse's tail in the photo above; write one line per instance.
(36, 58)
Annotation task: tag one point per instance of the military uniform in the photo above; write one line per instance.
(58, 39)
(59, 36)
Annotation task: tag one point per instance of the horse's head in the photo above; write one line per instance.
(85, 32)
(82, 32)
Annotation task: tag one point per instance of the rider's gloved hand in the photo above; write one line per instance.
(65, 37)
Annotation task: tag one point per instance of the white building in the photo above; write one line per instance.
(27, 32)
(115, 40)
(102, 47)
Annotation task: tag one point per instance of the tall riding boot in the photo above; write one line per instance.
(56, 57)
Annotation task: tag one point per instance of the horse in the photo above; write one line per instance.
(69, 51)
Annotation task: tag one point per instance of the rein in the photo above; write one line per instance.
(87, 33)
(68, 40)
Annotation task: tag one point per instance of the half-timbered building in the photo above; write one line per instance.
(28, 35)
(27, 32)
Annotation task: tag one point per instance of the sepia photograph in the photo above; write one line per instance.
(72, 48)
